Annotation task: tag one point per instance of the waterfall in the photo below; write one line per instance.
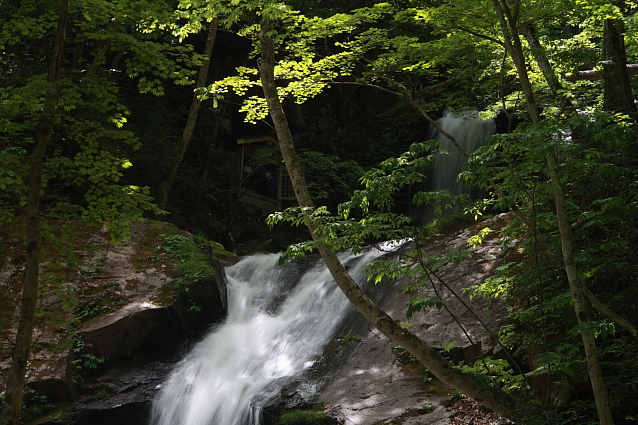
(470, 132)
(263, 342)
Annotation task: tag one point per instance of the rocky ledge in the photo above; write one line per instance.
(130, 306)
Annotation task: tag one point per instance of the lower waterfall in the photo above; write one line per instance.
(269, 336)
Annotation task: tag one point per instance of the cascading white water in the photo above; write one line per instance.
(470, 132)
(255, 348)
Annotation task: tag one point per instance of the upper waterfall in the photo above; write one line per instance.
(470, 131)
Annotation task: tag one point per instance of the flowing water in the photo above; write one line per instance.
(263, 342)
(470, 132)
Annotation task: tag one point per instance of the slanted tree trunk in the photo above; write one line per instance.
(16, 377)
(529, 32)
(494, 399)
(513, 44)
(167, 183)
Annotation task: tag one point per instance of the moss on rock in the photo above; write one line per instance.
(302, 417)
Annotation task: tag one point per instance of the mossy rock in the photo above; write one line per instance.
(156, 230)
(219, 252)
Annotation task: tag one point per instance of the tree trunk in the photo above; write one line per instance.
(618, 96)
(513, 44)
(428, 356)
(16, 377)
(589, 342)
(167, 183)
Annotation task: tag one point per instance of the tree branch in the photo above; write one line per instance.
(467, 30)
(595, 74)
(607, 312)
(421, 92)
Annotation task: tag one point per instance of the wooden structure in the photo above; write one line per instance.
(266, 186)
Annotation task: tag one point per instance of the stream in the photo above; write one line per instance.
(276, 330)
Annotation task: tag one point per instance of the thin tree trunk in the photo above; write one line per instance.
(555, 86)
(210, 151)
(589, 342)
(16, 377)
(167, 183)
(513, 45)
(428, 356)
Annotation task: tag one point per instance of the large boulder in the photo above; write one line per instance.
(51, 376)
(130, 329)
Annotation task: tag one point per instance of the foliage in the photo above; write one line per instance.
(179, 245)
(35, 403)
(83, 362)
(403, 355)
(98, 305)
(193, 265)
(387, 205)
(121, 53)
(488, 372)
(427, 408)
(85, 167)
(544, 321)
(93, 271)
(327, 176)
(594, 171)
(194, 271)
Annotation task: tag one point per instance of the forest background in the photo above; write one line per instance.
(99, 123)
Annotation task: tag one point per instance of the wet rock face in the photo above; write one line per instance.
(121, 396)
